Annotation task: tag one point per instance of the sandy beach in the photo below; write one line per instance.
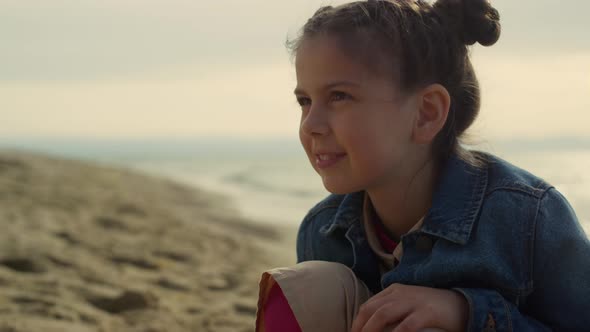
(87, 247)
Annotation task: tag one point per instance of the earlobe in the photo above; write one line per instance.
(433, 108)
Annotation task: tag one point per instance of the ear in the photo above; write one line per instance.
(433, 104)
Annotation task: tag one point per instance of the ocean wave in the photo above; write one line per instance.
(249, 180)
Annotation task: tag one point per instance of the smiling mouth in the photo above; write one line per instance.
(326, 160)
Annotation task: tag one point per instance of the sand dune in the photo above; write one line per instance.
(90, 248)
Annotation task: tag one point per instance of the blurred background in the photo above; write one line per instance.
(201, 91)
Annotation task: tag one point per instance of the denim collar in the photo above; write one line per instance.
(456, 202)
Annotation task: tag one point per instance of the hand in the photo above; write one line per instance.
(403, 308)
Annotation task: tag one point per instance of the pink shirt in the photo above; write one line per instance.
(386, 242)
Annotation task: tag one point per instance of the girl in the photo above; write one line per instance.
(447, 238)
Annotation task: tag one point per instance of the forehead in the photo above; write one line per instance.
(325, 56)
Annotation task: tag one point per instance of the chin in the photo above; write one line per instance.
(339, 188)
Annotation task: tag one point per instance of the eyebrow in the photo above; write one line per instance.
(299, 91)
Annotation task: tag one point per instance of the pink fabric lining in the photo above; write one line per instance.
(278, 316)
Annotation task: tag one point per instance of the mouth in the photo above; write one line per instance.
(325, 160)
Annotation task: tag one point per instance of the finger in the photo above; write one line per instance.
(367, 310)
(413, 323)
(391, 327)
(387, 291)
(387, 314)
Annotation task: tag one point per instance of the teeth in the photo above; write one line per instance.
(327, 156)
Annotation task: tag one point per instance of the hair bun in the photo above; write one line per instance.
(474, 20)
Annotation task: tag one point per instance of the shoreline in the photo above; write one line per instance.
(89, 247)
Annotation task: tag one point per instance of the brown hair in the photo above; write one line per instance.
(420, 44)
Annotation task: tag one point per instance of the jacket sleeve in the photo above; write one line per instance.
(561, 267)
(490, 312)
(560, 299)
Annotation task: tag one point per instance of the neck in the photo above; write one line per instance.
(401, 202)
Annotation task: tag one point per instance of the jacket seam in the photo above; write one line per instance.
(534, 238)
(508, 314)
(518, 190)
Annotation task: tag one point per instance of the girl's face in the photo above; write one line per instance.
(356, 128)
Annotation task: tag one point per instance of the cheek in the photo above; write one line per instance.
(376, 144)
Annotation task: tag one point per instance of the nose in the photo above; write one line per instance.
(314, 122)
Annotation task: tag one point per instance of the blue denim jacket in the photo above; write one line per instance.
(505, 239)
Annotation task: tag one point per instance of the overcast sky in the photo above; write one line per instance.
(180, 68)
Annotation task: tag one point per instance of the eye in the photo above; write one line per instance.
(303, 101)
(339, 95)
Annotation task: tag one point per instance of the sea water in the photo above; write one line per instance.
(272, 181)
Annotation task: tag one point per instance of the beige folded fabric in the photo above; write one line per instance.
(324, 296)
